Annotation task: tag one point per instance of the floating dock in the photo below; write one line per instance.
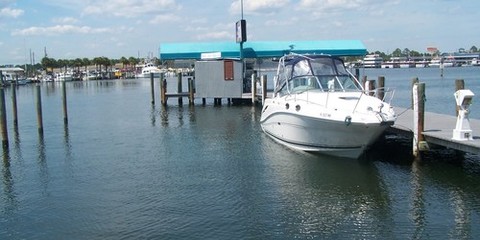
(438, 130)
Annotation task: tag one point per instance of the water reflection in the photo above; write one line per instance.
(328, 195)
(417, 209)
(9, 197)
(42, 162)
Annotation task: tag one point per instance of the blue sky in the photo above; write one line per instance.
(114, 28)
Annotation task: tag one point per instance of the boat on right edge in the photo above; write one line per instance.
(319, 106)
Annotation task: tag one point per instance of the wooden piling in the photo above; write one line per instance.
(414, 81)
(160, 85)
(14, 105)
(163, 91)
(254, 88)
(179, 88)
(381, 87)
(191, 94)
(152, 87)
(64, 101)
(3, 119)
(264, 88)
(370, 87)
(459, 85)
(364, 81)
(419, 143)
(39, 109)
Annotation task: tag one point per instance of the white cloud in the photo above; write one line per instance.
(130, 8)
(215, 35)
(65, 20)
(165, 18)
(257, 6)
(9, 12)
(58, 30)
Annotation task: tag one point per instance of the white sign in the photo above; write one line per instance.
(212, 55)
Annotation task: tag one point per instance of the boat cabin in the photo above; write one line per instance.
(299, 73)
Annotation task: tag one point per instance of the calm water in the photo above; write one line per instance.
(125, 169)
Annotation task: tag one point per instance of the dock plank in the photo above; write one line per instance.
(438, 130)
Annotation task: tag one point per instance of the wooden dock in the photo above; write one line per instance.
(438, 130)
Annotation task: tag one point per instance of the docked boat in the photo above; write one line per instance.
(147, 69)
(64, 76)
(441, 63)
(319, 106)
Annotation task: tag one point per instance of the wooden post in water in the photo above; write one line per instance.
(14, 105)
(419, 143)
(3, 118)
(191, 95)
(39, 109)
(64, 101)
(254, 88)
(179, 88)
(459, 85)
(381, 88)
(370, 87)
(160, 84)
(264, 88)
(414, 81)
(152, 87)
(163, 91)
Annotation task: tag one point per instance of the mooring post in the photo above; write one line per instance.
(419, 143)
(39, 109)
(191, 95)
(163, 92)
(414, 81)
(152, 87)
(381, 87)
(3, 118)
(264, 88)
(364, 83)
(64, 101)
(459, 85)
(14, 105)
(254, 88)
(162, 76)
(370, 87)
(179, 88)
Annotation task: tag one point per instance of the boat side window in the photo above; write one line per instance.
(302, 83)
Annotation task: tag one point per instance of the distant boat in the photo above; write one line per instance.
(440, 62)
(372, 61)
(63, 76)
(475, 62)
(318, 106)
(147, 69)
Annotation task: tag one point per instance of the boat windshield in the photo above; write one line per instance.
(323, 73)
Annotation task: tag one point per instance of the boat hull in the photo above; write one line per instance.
(337, 136)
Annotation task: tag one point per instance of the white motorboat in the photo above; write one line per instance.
(147, 69)
(64, 76)
(319, 106)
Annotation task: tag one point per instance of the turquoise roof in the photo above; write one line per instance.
(267, 49)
